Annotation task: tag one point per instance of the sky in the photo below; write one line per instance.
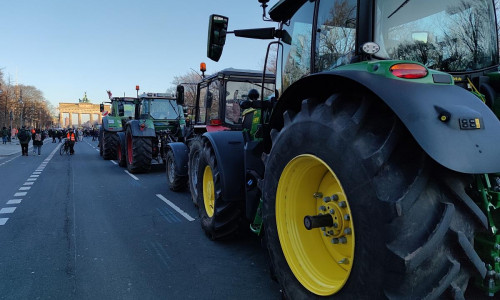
(67, 47)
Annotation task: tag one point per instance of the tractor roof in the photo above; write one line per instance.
(239, 73)
(284, 9)
(131, 99)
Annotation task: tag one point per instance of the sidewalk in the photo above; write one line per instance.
(11, 148)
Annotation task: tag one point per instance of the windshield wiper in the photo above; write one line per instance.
(254, 83)
(397, 9)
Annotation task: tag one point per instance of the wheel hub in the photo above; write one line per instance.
(314, 225)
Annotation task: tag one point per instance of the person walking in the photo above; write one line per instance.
(5, 134)
(24, 139)
(38, 138)
(71, 138)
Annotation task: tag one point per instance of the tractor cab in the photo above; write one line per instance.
(219, 98)
(162, 109)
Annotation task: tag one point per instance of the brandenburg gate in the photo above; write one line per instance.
(81, 113)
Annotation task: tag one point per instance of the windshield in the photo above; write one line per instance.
(446, 35)
(160, 109)
(128, 109)
(237, 92)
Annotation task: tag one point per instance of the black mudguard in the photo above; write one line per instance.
(228, 147)
(420, 106)
(136, 129)
(181, 157)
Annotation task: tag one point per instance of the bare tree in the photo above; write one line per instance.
(189, 81)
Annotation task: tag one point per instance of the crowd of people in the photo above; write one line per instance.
(37, 135)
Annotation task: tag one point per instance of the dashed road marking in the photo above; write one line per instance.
(114, 162)
(3, 221)
(176, 208)
(131, 175)
(29, 183)
(7, 210)
(31, 179)
(25, 188)
(14, 201)
(20, 194)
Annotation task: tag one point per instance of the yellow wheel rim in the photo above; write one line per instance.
(321, 258)
(208, 191)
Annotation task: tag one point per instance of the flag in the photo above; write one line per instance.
(109, 94)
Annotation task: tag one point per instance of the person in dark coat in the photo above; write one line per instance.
(38, 138)
(24, 137)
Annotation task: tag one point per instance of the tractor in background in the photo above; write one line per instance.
(219, 106)
(375, 174)
(122, 110)
(159, 120)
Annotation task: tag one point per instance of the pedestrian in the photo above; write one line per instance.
(5, 134)
(38, 138)
(24, 139)
(9, 136)
(59, 135)
(71, 138)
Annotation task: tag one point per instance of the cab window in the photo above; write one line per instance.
(335, 34)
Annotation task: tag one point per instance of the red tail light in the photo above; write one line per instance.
(408, 71)
(215, 122)
(142, 126)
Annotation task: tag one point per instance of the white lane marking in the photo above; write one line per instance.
(131, 175)
(177, 209)
(20, 194)
(14, 201)
(37, 173)
(34, 176)
(3, 221)
(7, 210)
(28, 183)
(114, 162)
(7, 161)
(25, 188)
(31, 179)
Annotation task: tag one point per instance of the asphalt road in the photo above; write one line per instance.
(79, 227)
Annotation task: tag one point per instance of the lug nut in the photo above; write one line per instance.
(344, 261)
(323, 228)
(322, 208)
(497, 259)
(318, 195)
(335, 225)
(497, 246)
(332, 211)
(342, 204)
(343, 240)
(347, 231)
(335, 241)
(347, 217)
(335, 197)
(330, 232)
(327, 199)
(326, 233)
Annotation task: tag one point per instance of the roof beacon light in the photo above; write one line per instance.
(203, 67)
(409, 71)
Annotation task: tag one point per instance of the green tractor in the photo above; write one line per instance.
(217, 108)
(159, 120)
(375, 174)
(122, 110)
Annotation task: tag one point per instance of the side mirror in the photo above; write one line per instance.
(209, 99)
(180, 95)
(217, 28)
(101, 107)
(121, 109)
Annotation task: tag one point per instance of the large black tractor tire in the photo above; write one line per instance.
(394, 224)
(139, 153)
(101, 152)
(109, 143)
(219, 219)
(121, 153)
(175, 181)
(195, 148)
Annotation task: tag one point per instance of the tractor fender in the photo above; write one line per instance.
(137, 131)
(181, 157)
(228, 147)
(434, 114)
